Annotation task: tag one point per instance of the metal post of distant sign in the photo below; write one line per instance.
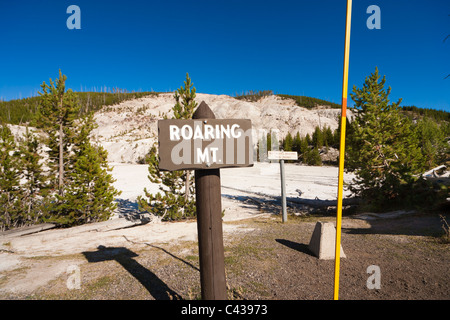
(283, 192)
(342, 151)
(282, 155)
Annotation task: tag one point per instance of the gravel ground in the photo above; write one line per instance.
(270, 261)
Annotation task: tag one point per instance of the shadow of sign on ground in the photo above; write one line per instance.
(125, 257)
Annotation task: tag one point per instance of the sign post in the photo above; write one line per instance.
(206, 144)
(209, 226)
(282, 155)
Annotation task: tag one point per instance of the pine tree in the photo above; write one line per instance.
(84, 186)
(296, 144)
(176, 197)
(167, 204)
(304, 149)
(312, 157)
(432, 143)
(35, 187)
(89, 196)
(184, 109)
(328, 137)
(288, 142)
(317, 138)
(308, 139)
(10, 192)
(336, 135)
(58, 110)
(185, 100)
(382, 147)
(170, 203)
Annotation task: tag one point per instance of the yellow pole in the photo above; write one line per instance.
(342, 151)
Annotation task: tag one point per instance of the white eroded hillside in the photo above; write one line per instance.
(128, 130)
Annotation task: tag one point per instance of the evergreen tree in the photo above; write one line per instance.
(35, 187)
(317, 138)
(185, 100)
(89, 197)
(382, 147)
(312, 157)
(303, 151)
(328, 137)
(432, 143)
(10, 192)
(184, 109)
(308, 139)
(176, 197)
(84, 186)
(58, 110)
(170, 203)
(296, 144)
(288, 142)
(336, 136)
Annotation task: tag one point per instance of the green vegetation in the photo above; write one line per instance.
(301, 101)
(415, 112)
(10, 197)
(309, 102)
(388, 151)
(89, 192)
(27, 110)
(253, 95)
(75, 187)
(308, 148)
(24, 185)
(388, 147)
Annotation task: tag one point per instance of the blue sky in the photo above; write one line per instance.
(227, 47)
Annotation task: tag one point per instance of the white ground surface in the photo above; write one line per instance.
(312, 182)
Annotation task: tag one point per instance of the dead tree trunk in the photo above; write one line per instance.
(61, 153)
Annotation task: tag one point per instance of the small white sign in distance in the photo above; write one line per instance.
(282, 155)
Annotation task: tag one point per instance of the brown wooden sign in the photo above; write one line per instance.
(204, 144)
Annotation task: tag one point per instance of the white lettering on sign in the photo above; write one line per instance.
(204, 157)
(206, 132)
(174, 133)
(186, 132)
(196, 144)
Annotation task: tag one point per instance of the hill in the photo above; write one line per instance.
(128, 129)
(127, 122)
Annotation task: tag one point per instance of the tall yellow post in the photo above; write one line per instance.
(342, 151)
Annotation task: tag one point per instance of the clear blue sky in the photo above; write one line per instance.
(227, 46)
